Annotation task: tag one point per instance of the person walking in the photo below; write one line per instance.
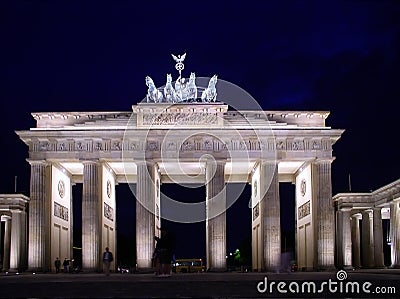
(107, 259)
(66, 265)
(156, 258)
(166, 248)
(57, 264)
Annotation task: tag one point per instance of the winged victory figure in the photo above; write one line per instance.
(180, 58)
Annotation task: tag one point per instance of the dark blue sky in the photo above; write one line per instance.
(341, 56)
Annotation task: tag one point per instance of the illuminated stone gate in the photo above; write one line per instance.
(89, 147)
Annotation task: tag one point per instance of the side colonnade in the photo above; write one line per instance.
(360, 227)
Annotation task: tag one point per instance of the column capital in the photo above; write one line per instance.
(38, 162)
(5, 217)
(356, 216)
(90, 161)
(368, 211)
(322, 160)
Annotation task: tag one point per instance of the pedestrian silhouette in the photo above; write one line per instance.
(57, 264)
(107, 259)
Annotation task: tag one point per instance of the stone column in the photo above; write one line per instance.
(395, 233)
(355, 240)
(91, 230)
(324, 217)
(367, 239)
(7, 243)
(270, 202)
(37, 216)
(215, 216)
(344, 239)
(378, 238)
(145, 215)
(17, 240)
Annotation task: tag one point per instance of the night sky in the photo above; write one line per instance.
(339, 56)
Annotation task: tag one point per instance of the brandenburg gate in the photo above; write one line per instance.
(177, 136)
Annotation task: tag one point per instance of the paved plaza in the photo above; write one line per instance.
(194, 285)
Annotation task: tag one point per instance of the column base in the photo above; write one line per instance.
(394, 267)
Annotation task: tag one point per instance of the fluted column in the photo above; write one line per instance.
(91, 230)
(355, 240)
(37, 217)
(270, 202)
(367, 239)
(215, 216)
(323, 214)
(378, 238)
(344, 239)
(145, 214)
(395, 233)
(17, 240)
(7, 243)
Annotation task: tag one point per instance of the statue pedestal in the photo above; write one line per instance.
(169, 115)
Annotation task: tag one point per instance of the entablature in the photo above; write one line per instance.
(381, 197)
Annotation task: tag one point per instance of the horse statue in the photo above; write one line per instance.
(210, 93)
(153, 94)
(169, 91)
(192, 88)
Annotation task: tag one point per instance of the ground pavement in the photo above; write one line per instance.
(204, 285)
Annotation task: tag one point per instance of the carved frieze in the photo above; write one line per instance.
(98, 146)
(297, 145)
(303, 210)
(82, 145)
(188, 119)
(62, 146)
(256, 211)
(170, 146)
(208, 145)
(194, 144)
(60, 211)
(281, 144)
(187, 145)
(108, 212)
(134, 145)
(116, 145)
(152, 145)
(315, 145)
